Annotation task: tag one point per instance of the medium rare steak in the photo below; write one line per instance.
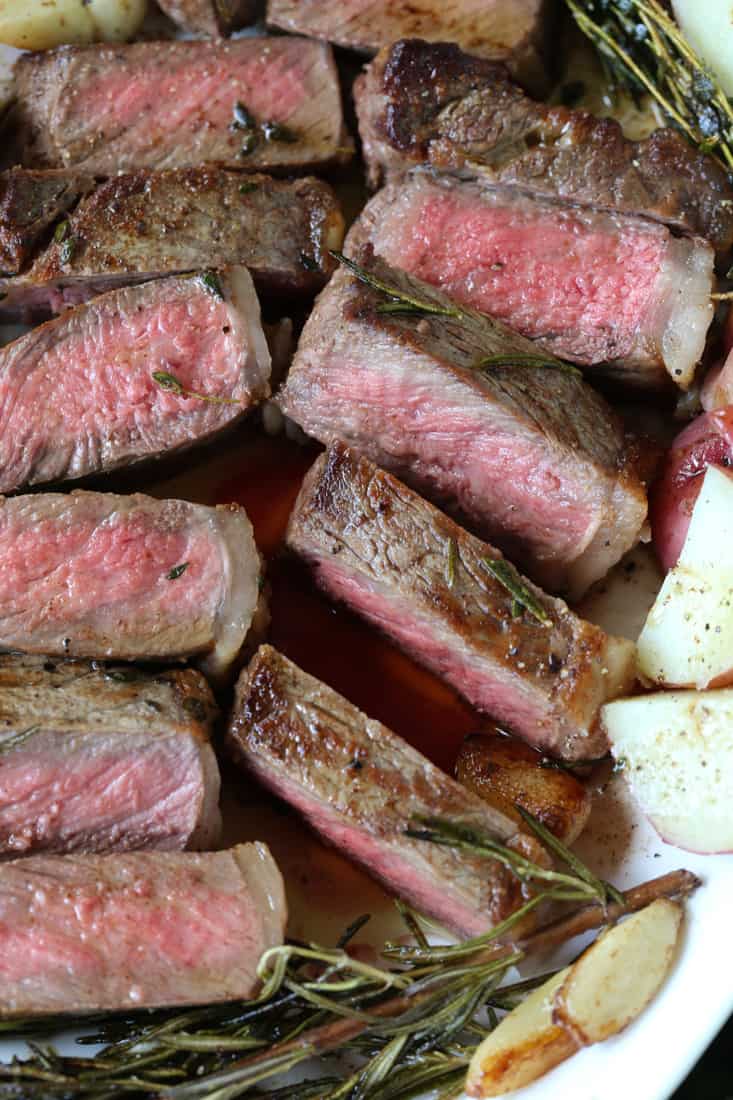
(96, 759)
(30, 203)
(146, 224)
(429, 103)
(516, 32)
(530, 455)
(253, 104)
(94, 933)
(129, 577)
(600, 289)
(110, 382)
(408, 569)
(360, 786)
(210, 18)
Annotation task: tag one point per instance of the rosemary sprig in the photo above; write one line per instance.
(542, 362)
(646, 52)
(508, 577)
(168, 381)
(399, 302)
(451, 565)
(18, 739)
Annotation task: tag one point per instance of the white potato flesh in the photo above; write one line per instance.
(687, 640)
(41, 24)
(677, 752)
(525, 1045)
(617, 977)
(708, 27)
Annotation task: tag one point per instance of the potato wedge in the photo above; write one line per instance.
(616, 978)
(525, 1045)
(41, 24)
(504, 771)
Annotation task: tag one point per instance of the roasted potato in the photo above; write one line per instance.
(504, 771)
(40, 24)
(707, 26)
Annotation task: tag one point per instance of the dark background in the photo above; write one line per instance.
(712, 1077)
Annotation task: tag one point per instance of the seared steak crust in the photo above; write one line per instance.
(531, 456)
(429, 103)
(211, 18)
(424, 581)
(359, 786)
(30, 203)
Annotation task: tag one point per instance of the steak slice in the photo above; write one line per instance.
(128, 577)
(408, 569)
(600, 289)
(429, 103)
(252, 103)
(146, 224)
(210, 18)
(79, 395)
(95, 933)
(360, 786)
(30, 203)
(530, 456)
(517, 32)
(100, 759)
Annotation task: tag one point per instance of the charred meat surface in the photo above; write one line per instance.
(395, 559)
(30, 204)
(252, 104)
(130, 375)
(617, 293)
(516, 32)
(128, 577)
(102, 933)
(210, 18)
(96, 759)
(528, 454)
(360, 786)
(146, 224)
(429, 103)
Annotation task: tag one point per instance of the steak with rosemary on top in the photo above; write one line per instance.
(430, 103)
(127, 577)
(456, 605)
(620, 294)
(109, 933)
(130, 375)
(146, 224)
(210, 18)
(525, 452)
(361, 787)
(96, 759)
(254, 104)
(517, 32)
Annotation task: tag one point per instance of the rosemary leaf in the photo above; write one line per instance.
(604, 890)
(399, 302)
(177, 571)
(508, 577)
(209, 280)
(18, 739)
(540, 361)
(451, 567)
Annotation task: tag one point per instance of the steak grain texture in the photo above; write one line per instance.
(109, 109)
(413, 573)
(210, 18)
(531, 457)
(359, 786)
(430, 103)
(126, 577)
(79, 395)
(620, 294)
(30, 203)
(516, 32)
(96, 759)
(146, 224)
(104, 933)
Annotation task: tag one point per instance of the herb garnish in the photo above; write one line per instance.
(168, 381)
(524, 360)
(275, 131)
(308, 262)
(61, 231)
(67, 249)
(177, 571)
(247, 188)
(17, 739)
(210, 282)
(451, 565)
(508, 577)
(399, 301)
(243, 118)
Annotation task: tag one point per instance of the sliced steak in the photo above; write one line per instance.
(210, 18)
(30, 203)
(360, 786)
(600, 289)
(408, 569)
(530, 456)
(105, 384)
(129, 577)
(94, 933)
(517, 32)
(97, 759)
(430, 103)
(253, 104)
(146, 224)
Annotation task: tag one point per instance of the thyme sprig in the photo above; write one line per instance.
(399, 301)
(168, 381)
(646, 52)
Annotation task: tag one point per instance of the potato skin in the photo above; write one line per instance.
(504, 771)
